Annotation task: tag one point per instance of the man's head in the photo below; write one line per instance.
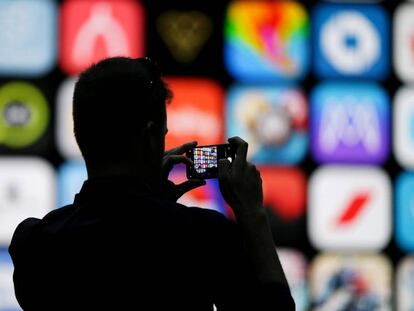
(119, 113)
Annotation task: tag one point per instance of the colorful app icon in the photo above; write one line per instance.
(350, 283)
(404, 127)
(349, 208)
(8, 300)
(405, 285)
(27, 189)
(349, 123)
(295, 267)
(403, 42)
(195, 113)
(28, 37)
(185, 33)
(284, 197)
(65, 137)
(266, 40)
(71, 176)
(208, 196)
(351, 41)
(404, 211)
(24, 114)
(96, 29)
(272, 119)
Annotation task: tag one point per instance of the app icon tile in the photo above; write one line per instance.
(350, 282)
(351, 41)
(24, 114)
(403, 42)
(71, 176)
(349, 208)
(266, 41)
(97, 29)
(404, 211)
(350, 123)
(27, 189)
(28, 37)
(404, 127)
(273, 119)
(64, 135)
(8, 300)
(195, 113)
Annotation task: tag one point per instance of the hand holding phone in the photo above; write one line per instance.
(205, 160)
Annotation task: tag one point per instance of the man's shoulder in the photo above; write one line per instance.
(27, 229)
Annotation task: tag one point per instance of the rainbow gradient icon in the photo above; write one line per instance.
(266, 41)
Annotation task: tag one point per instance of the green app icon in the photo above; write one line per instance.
(24, 114)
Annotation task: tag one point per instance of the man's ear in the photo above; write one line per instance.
(150, 126)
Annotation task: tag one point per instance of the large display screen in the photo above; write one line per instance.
(321, 90)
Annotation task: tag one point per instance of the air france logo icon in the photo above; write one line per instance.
(352, 41)
(349, 123)
(93, 30)
(349, 208)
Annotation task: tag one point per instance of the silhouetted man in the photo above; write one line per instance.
(124, 243)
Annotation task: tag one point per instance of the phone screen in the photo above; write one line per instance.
(205, 159)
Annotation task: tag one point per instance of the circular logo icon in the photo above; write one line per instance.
(350, 42)
(24, 114)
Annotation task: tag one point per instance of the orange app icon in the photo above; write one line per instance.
(195, 113)
(96, 29)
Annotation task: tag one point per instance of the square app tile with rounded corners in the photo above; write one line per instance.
(295, 267)
(266, 40)
(64, 135)
(404, 127)
(349, 208)
(405, 284)
(93, 30)
(8, 300)
(272, 119)
(351, 41)
(350, 282)
(404, 211)
(403, 37)
(27, 189)
(349, 123)
(71, 176)
(195, 113)
(28, 35)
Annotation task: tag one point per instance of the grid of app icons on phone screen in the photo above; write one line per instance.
(205, 158)
(321, 90)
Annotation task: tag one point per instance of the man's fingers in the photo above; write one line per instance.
(223, 169)
(241, 151)
(188, 185)
(181, 149)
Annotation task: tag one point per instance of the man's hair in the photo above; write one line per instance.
(113, 100)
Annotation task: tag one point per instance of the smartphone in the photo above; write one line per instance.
(205, 159)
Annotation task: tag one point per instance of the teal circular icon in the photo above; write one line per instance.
(24, 114)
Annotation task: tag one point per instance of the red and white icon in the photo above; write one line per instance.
(96, 29)
(195, 113)
(27, 189)
(404, 42)
(349, 208)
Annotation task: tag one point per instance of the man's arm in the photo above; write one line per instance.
(241, 187)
